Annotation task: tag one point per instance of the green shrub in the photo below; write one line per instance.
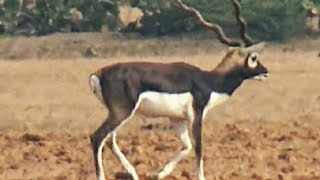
(54, 16)
(267, 20)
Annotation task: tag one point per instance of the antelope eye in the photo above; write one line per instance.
(253, 60)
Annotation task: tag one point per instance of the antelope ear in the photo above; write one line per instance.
(254, 48)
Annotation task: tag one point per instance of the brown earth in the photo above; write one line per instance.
(267, 130)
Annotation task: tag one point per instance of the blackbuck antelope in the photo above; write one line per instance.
(179, 91)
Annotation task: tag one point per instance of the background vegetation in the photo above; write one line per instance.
(267, 20)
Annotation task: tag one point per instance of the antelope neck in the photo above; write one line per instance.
(226, 82)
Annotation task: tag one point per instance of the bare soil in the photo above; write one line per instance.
(267, 130)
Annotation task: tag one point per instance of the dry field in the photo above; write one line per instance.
(267, 130)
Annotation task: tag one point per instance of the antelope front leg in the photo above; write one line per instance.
(197, 134)
(181, 130)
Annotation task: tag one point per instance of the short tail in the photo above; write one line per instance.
(95, 86)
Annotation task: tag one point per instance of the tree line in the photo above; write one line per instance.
(267, 20)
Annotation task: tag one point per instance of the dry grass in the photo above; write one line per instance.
(55, 94)
(98, 45)
(113, 45)
(268, 129)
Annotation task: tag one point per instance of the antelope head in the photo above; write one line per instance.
(241, 56)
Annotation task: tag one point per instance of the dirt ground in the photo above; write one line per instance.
(267, 130)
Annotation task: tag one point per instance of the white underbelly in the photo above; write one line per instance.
(155, 104)
(177, 106)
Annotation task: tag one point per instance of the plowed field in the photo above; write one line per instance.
(267, 130)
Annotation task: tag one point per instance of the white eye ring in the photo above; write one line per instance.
(253, 60)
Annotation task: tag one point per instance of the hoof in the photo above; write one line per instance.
(123, 175)
(152, 176)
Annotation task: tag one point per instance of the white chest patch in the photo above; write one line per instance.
(155, 104)
(215, 99)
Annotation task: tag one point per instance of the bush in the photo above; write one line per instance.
(54, 16)
(267, 20)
